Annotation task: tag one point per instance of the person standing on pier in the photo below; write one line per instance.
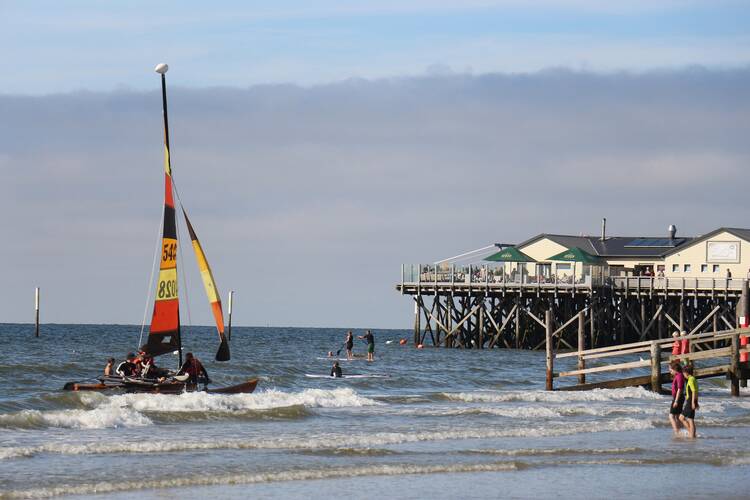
(691, 402)
(678, 396)
(370, 345)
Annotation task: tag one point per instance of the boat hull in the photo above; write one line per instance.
(142, 386)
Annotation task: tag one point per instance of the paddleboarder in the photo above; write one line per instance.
(349, 345)
(336, 370)
(370, 339)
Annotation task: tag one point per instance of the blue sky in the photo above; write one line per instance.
(53, 47)
(315, 143)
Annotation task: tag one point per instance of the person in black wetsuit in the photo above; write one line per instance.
(127, 368)
(336, 370)
(349, 345)
(193, 367)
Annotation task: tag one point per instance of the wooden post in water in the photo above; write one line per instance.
(548, 346)
(581, 346)
(734, 366)
(417, 325)
(36, 308)
(655, 367)
(229, 312)
(480, 342)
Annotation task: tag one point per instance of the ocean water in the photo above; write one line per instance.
(443, 424)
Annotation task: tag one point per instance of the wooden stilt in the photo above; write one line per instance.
(581, 346)
(548, 348)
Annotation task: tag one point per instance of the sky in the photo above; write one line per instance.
(319, 145)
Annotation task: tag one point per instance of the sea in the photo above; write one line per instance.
(429, 423)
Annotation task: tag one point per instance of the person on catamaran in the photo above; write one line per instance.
(370, 344)
(110, 367)
(193, 367)
(336, 370)
(349, 345)
(127, 368)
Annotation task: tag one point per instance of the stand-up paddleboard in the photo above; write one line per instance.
(342, 359)
(361, 375)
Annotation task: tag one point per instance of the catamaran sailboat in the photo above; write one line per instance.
(164, 334)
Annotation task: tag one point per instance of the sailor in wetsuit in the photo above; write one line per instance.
(193, 367)
(336, 370)
(127, 368)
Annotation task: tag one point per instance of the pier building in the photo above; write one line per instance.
(617, 288)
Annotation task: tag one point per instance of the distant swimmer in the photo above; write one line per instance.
(336, 370)
(349, 345)
(691, 401)
(370, 339)
(678, 396)
(109, 368)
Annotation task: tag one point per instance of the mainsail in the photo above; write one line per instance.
(211, 291)
(164, 334)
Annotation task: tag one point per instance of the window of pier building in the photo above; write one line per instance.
(675, 268)
(716, 268)
(687, 268)
(704, 268)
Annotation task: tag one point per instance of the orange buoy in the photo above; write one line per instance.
(402, 342)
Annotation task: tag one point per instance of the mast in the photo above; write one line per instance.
(164, 334)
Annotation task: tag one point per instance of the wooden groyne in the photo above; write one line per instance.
(715, 354)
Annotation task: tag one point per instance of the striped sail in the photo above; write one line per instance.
(211, 291)
(164, 334)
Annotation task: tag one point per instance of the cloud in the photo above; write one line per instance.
(307, 200)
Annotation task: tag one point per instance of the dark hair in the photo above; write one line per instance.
(676, 366)
(131, 355)
(189, 355)
(688, 369)
(110, 360)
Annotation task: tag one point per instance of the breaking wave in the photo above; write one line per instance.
(328, 441)
(602, 395)
(136, 410)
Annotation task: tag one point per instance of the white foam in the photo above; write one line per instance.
(130, 410)
(262, 477)
(553, 396)
(333, 441)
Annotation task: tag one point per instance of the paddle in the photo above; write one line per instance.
(342, 348)
(223, 353)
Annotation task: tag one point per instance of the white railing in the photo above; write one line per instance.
(493, 276)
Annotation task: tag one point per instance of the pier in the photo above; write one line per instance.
(472, 307)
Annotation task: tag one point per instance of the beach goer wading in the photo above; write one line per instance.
(193, 367)
(691, 401)
(368, 336)
(678, 396)
(349, 345)
(336, 370)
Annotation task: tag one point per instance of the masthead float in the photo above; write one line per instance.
(164, 333)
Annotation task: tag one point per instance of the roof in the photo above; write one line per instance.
(738, 232)
(618, 246)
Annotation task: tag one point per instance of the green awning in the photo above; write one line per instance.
(575, 254)
(510, 254)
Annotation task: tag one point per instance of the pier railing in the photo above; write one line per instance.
(719, 353)
(494, 277)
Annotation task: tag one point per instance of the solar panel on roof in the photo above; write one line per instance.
(655, 242)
